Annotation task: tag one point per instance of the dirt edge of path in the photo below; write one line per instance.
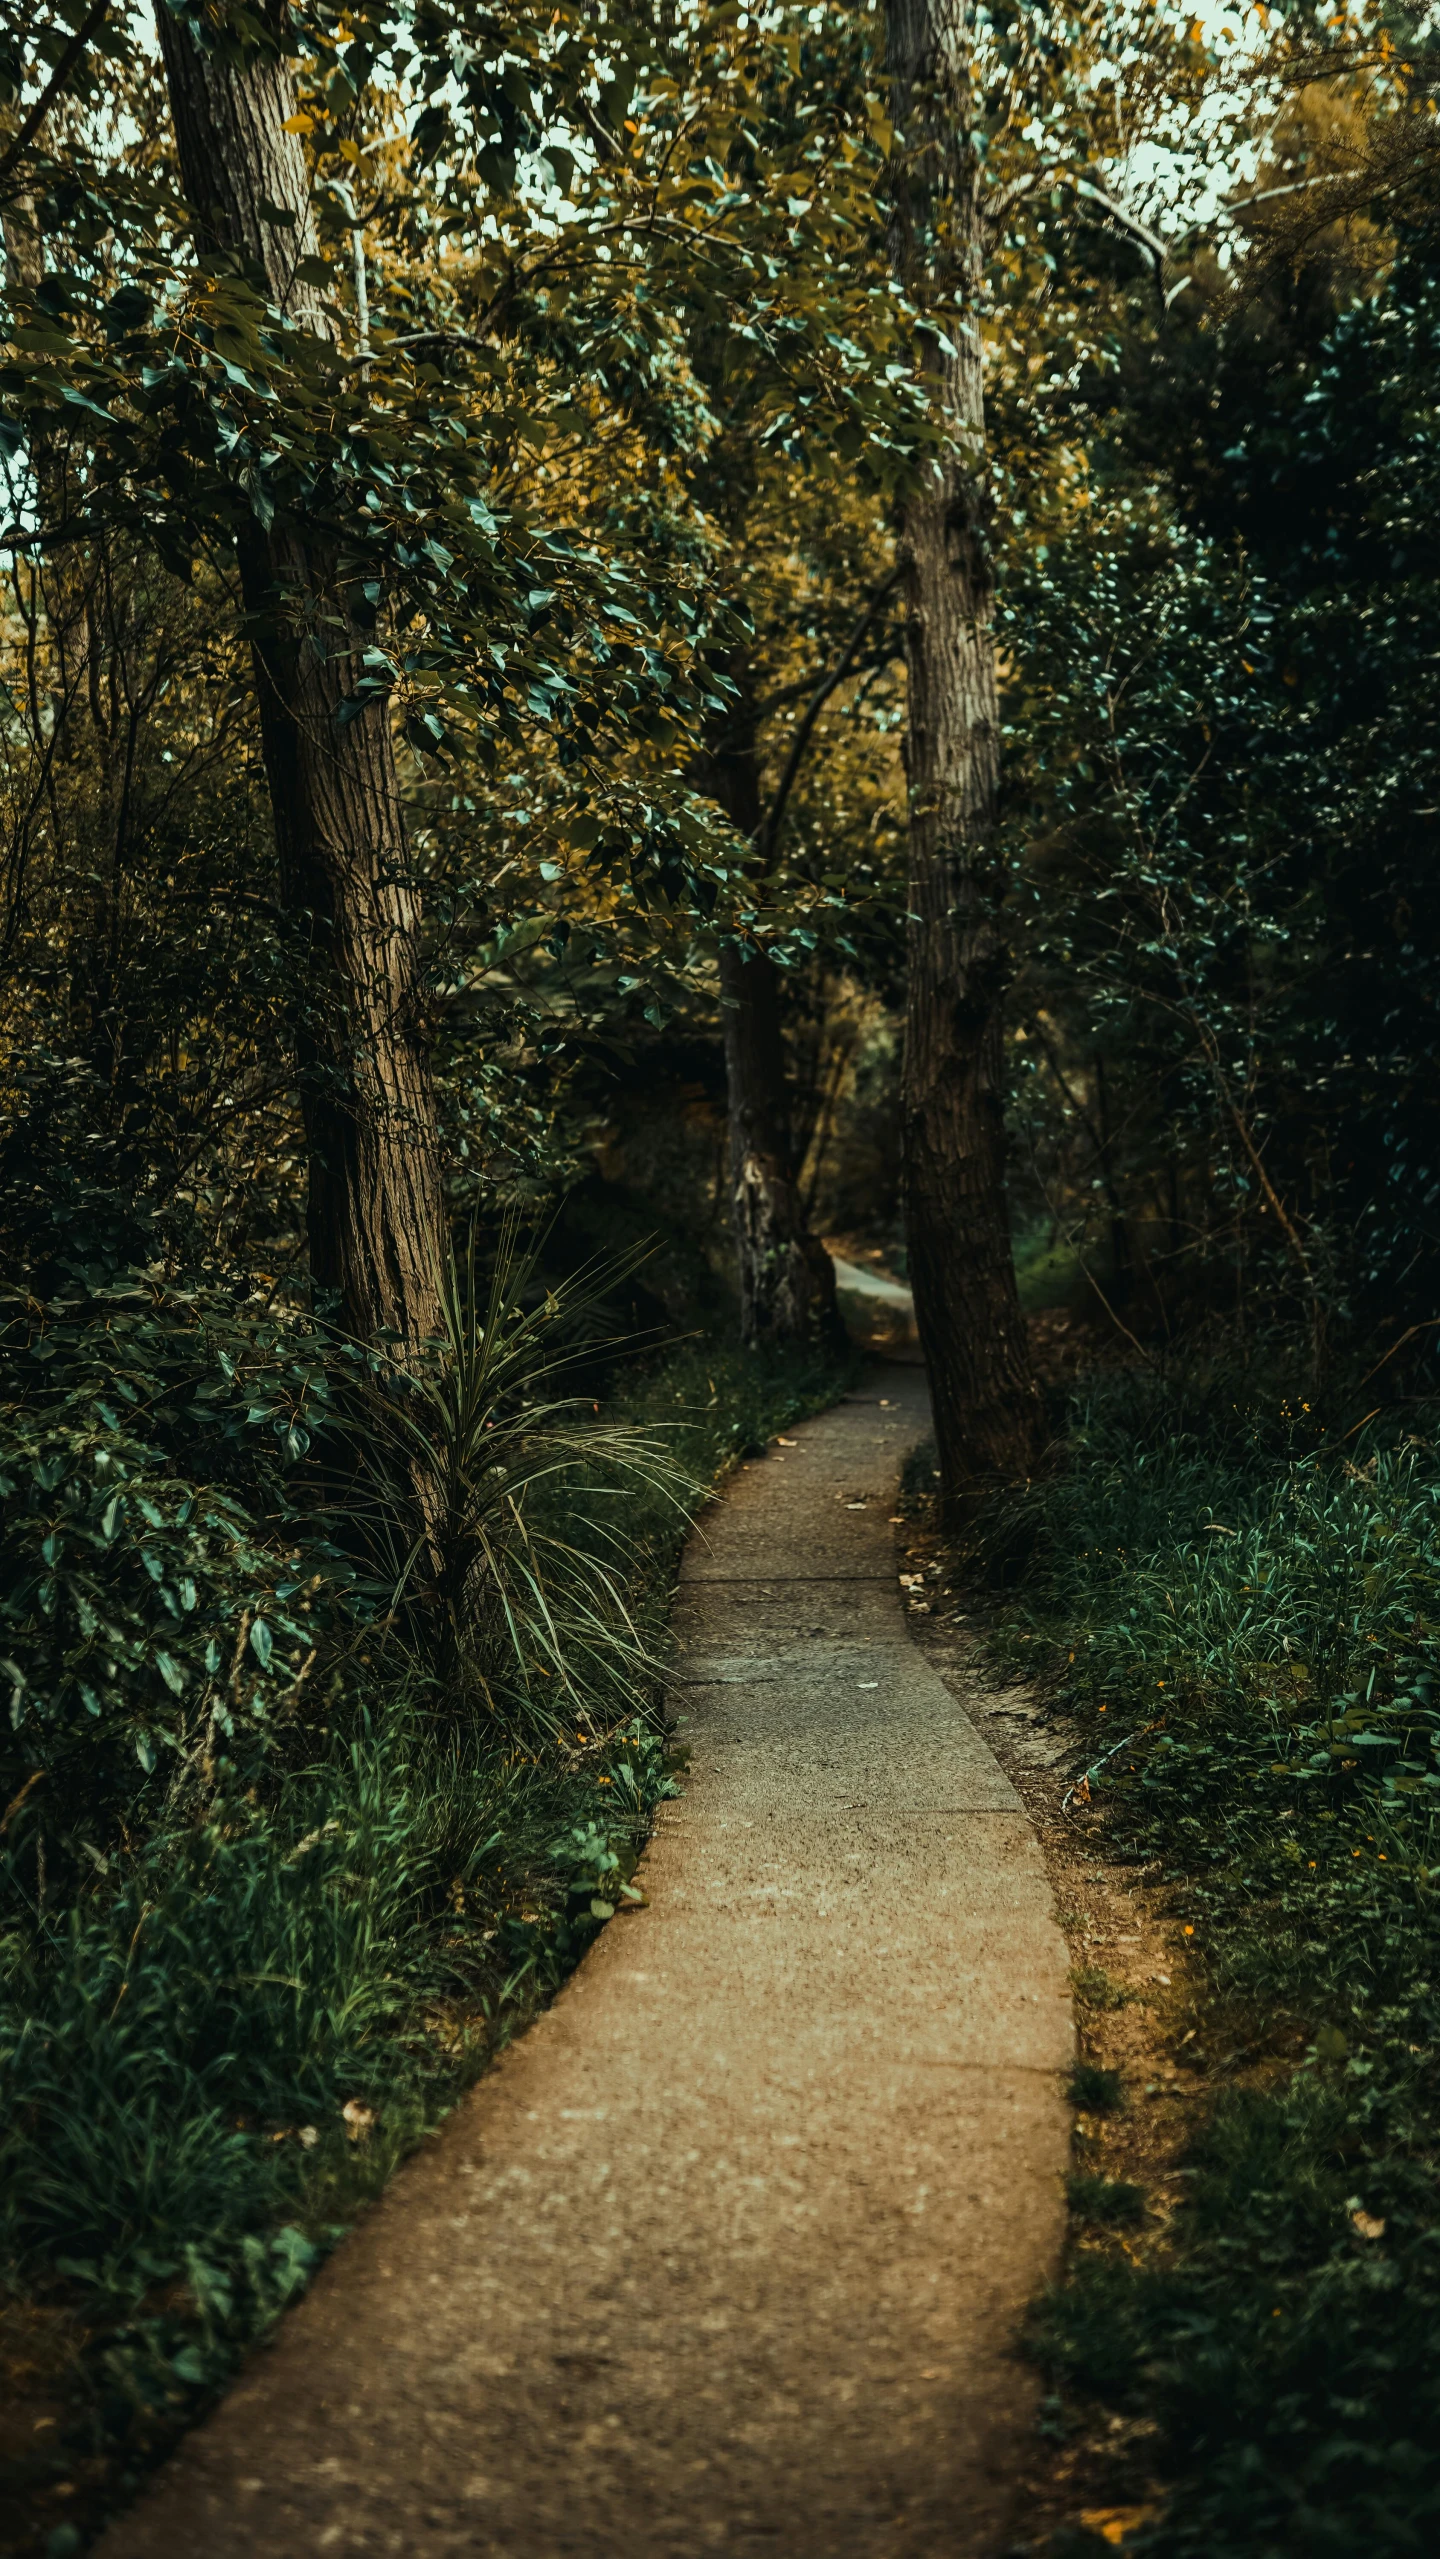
(1088, 2479)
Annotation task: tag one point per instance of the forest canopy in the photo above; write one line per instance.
(558, 378)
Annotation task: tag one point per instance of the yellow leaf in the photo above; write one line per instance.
(1115, 2523)
(298, 124)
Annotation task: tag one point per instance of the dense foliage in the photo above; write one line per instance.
(1225, 732)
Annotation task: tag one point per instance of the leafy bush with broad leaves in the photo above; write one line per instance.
(142, 1619)
(157, 1605)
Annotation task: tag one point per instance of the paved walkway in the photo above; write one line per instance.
(726, 2255)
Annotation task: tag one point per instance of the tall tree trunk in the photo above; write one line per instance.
(987, 1410)
(787, 1279)
(374, 1212)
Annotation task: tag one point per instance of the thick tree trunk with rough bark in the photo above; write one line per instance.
(374, 1213)
(987, 1411)
(787, 1279)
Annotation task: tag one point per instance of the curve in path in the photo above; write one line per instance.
(728, 2252)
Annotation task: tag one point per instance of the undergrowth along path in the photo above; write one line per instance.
(729, 2252)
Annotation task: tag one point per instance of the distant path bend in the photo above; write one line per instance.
(728, 2252)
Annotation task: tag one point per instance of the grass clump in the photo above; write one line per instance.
(1095, 2091)
(1112, 2202)
(1097, 1989)
(1246, 1619)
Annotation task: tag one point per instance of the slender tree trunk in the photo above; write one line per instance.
(374, 1212)
(787, 1279)
(84, 795)
(987, 1410)
(1122, 1257)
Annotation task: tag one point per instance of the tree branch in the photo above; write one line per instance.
(78, 45)
(999, 204)
(1293, 186)
(769, 827)
(1138, 231)
(799, 691)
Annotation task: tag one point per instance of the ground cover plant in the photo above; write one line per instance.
(283, 1868)
(1238, 1604)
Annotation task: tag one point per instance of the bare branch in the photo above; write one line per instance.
(79, 44)
(769, 827)
(1129, 222)
(1295, 186)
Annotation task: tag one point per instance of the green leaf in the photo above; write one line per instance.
(78, 400)
(128, 309)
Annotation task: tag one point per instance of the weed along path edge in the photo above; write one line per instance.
(728, 2253)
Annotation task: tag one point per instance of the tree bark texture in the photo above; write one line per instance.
(787, 1279)
(987, 1410)
(374, 1212)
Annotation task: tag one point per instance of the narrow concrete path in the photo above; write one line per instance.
(728, 2252)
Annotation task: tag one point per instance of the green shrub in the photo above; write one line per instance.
(153, 1617)
(142, 1618)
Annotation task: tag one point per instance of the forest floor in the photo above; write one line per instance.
(730, 2251)
(1138, 1997)
(1202, 1644)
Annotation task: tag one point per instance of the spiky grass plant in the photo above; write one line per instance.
(481, 1487)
